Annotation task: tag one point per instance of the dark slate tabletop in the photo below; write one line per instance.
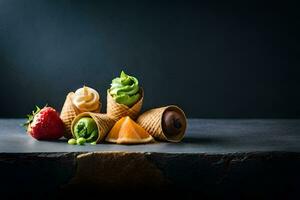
(211, 136)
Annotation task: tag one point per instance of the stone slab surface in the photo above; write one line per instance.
(203, 136)
(236, 159)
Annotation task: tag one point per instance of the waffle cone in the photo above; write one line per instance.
(68, 113)
(116, 111)
(151, 121)
(104, 123)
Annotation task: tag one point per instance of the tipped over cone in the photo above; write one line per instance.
(104, 124)
(165, 123)
(68, 113)
(116, 111)
(126, 131)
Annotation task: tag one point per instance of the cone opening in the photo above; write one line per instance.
(174, 137)
(87, 114)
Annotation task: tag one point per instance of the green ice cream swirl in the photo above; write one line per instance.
(125, 89)
(86, 128)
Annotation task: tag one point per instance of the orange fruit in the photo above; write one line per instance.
(126, 131)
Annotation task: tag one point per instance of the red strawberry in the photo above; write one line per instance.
(45, 124)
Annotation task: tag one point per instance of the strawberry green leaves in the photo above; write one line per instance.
(30, 117)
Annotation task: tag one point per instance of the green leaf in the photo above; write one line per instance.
(37, 109)
(31, 116)
(123, 75)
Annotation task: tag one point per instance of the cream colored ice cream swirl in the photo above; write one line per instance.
(86, 99)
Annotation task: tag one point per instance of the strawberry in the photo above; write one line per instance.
(45, 124)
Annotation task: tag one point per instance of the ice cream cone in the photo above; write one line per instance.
(151, 121)
(68, 113)
(104, 123)
(116, 111)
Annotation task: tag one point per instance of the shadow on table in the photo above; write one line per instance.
(205, 140)
(62, 140)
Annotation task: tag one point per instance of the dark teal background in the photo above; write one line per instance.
(214, 59)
